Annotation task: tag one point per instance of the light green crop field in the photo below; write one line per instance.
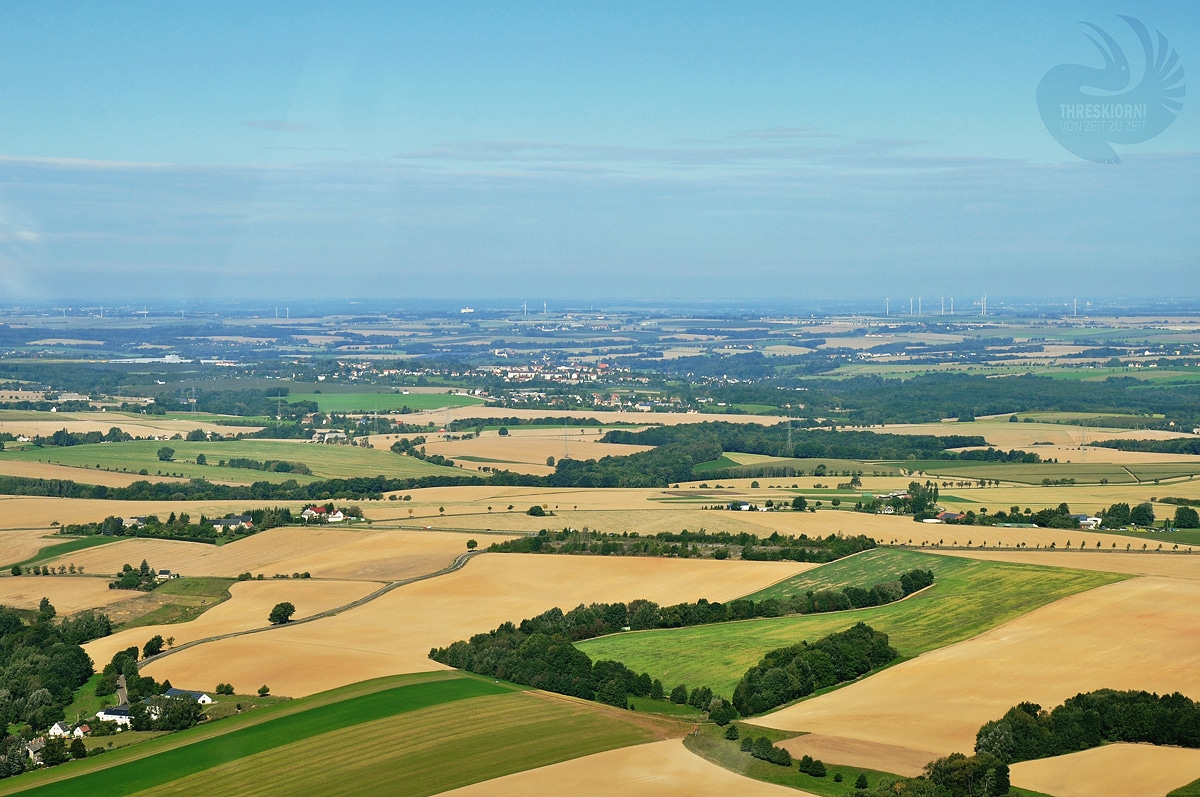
(411, 735)
(732, 459)
(1030, 473)
(54, 549)
(864, 570)
(187, 599)
(384, 402)
(963, 602)
(325, 461)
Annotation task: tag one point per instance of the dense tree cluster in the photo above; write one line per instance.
(360, 487)
(178, 527)
(545, 661)
(64, 438)
(851, 597)
(688, 544)
(753, 438)
(270, 465)
(1120, 515)
(786, 674)
(160, 713)
(1181, 445)
(1090, 719)
(140, 578)
(41, 665)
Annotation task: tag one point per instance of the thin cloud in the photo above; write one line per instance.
(279, 125)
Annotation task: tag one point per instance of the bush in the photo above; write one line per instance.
(861, 783)
(224, 689)
(811, 766)
(731, 733)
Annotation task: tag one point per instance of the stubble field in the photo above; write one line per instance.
(394, 633)
(934, 704)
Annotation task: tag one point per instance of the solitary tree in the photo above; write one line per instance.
(861, 783)
(153, 646)
(201, 459)
(282, 613)
(166, 454)
(472, 545)
(264, 690)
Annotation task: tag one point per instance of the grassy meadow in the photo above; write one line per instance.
(965, 600)
(325, 461)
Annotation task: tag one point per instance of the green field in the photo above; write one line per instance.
(325, 461)
(864, 570)
(1028, 473)
(189, 598)
(384, 402)
(410, 735)
(56, 549)
(733, 460)
(968, 598)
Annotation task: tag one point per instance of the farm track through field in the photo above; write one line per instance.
(1131, 473)
(457, 564)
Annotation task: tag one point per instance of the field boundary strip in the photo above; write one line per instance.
(457, 564)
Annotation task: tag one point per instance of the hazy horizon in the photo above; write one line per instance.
(764, 155)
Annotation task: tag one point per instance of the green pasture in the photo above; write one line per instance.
(429, 734)
(734, 460)
(53, 550)
(966, 600)
(326, 461)
(389, 401)
(864, 570)
(1031, 473)
(188, 598)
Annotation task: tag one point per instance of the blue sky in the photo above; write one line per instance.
(587, 151)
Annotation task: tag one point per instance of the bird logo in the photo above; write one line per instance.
(1088, 109)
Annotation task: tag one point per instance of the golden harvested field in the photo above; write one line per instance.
(20, 422)
(1003, 434)
(659, 769)
(323, 551)
(525, 449)
(394, 633)
(32, 512)
(248, 607)
(838, 749)
(1138, 564)
(935, 704)
(68, 594)
(46, 470)
(18, 545)
(1115, 770)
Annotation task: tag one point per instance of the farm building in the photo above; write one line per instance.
(200, 697)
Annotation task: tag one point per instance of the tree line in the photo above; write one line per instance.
(688, 544)
(177, 527)
(789, 673)
(1090, 719)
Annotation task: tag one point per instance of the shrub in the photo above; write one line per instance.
(861, 783)
(731, 733)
